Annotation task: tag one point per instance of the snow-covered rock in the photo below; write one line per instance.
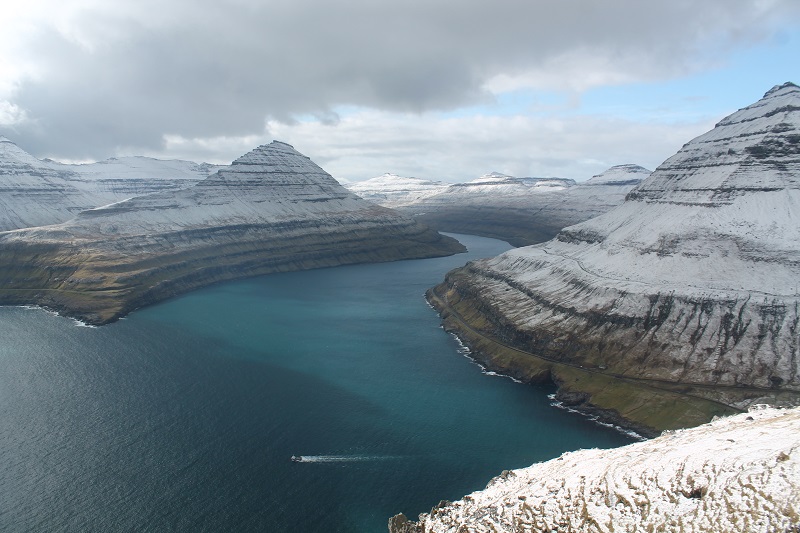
(37, 192)
(694, 280)
(740, 473)
(391, 190)
(523, 210)
(620, 175)
(272, 210)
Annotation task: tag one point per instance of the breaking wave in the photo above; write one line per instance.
(594, 418)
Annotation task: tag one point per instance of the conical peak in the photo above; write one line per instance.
(780, 88)
(276, 164)
(753, 149)
(10, 151)
(778, 101)
(268, 152)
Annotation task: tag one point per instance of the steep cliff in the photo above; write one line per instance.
(690, 286)
(740, 473)
(272, 210)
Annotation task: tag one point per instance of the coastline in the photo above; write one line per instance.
(100, 288)
(645, 407)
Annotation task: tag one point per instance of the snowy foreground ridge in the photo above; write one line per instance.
(740, 473)
(693, 279)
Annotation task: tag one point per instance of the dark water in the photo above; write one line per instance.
(184, 416)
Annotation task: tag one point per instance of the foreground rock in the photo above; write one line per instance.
(272, 210)
(523, 211)
(679, 303)
(37, 192)
(740, 473)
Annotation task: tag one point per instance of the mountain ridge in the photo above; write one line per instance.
(520, 211)
(37, 192)
(271, 210)
(692, 280)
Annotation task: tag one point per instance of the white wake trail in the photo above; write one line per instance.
(341, 458)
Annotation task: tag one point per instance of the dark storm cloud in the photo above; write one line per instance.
(111, 79)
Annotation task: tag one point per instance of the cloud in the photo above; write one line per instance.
(94, 78)
(367, 143)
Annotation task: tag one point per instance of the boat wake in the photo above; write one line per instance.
(341, 458)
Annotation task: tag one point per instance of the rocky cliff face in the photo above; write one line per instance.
(740, 473)
(692, 282)
(37, 192)
(272, 210)
(523, 210)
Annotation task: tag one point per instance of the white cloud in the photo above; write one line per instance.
(91, 78)
(368, 143)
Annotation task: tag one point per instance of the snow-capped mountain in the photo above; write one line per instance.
(692, 284)
(271, 210)
(37, 192)
(391, 190)
(523, 210)
(496, 186)
(620, 175)
(740, 473)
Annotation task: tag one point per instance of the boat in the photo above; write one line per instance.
(297, 458)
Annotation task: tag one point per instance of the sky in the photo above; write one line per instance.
(436, 89)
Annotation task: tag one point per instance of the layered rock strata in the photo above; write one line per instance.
(691, 287)
(740, 473)
(523, 211)
(272, 210)
(37, 192)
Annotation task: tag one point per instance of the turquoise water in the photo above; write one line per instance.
(184, 416)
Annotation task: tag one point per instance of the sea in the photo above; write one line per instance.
(185, 415)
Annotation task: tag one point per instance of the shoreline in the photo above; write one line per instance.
(589, 414)
(644, 407)
(98, 290)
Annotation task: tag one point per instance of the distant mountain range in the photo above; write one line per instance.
(518, 210)
(271, 210)
(686, 297)
(37, 192)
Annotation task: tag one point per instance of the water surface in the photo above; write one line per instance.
(184, 416)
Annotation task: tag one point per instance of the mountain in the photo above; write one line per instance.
(620, 175)
(391, 190)
(523, 211)
(682, 301)
(740, 473)
(272, 210)
(37, 192)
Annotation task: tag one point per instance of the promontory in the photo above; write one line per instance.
(271, 210)
(680, 304)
